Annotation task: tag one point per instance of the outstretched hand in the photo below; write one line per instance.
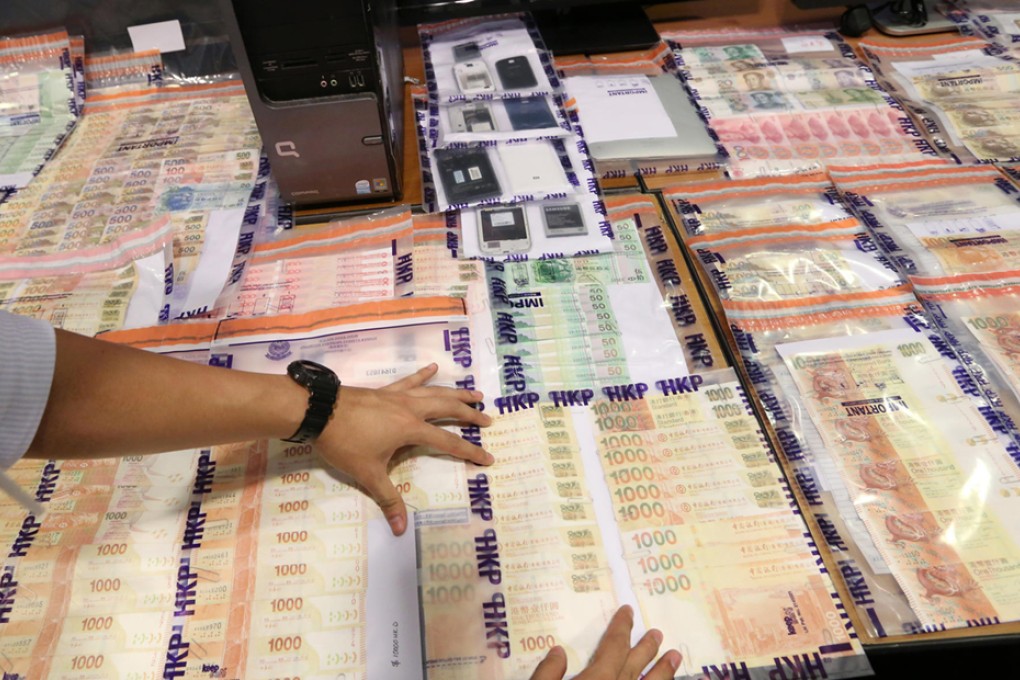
(370, 426)
(614, 658)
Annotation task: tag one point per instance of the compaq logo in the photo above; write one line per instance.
(287, 149)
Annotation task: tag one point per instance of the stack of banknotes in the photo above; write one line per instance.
(783, 101)
(962, 88)
(148, 197)
(893, 404)
(42, 90)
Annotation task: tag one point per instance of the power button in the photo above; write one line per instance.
(372, 140)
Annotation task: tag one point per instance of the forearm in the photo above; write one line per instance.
(110, 400)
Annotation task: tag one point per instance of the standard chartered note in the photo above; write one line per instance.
(927, 473)
(999, 336)
(90, 585)
(567, 324)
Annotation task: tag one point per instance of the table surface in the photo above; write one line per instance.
(697, 14)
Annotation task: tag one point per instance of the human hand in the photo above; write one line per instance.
(614, 658)
(370, 426)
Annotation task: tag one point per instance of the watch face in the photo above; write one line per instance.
(306, 373)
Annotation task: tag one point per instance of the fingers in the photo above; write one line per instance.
(552, 667)
(436, 391)
(614, 659)
(449, 409)
(665, 667)
(416, 379)
(641, 654)
(389, 501)
(611, 653)
(413, 385)
(447, 442)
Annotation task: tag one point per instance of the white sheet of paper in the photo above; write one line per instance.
(807, 43)
(654, 351)
(613, 108)
(210, 275)
(394, 635)
(950, 62)
(970, 226)
(148, 299)
(165, 36)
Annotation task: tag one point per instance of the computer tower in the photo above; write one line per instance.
(325, 82)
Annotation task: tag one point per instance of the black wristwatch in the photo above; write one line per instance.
(323, 388)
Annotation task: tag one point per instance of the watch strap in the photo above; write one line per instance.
(323, 389)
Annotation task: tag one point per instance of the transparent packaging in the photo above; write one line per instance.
(346, 261)
(439, 268)
(734, 205)
(120, 71)
(666, 134)
(794, 262)
(908, 433)
(716, 534)
(639, 227)
(963, 89)
(465, 123)
(995, 21)
(130, 168)
(816, 460)
(568, 323)
(785, 101)
(732, 49)
(938, 220)
(259, 219)
(493, 175)
(486, 58)
(89, 297)
(40, 102)
(507, 173)
(979, 316)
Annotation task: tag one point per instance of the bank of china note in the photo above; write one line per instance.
(671, 503)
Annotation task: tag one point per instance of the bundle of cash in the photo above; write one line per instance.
(41, 94)
(961, 87)
(938, 219)
(784, 102)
